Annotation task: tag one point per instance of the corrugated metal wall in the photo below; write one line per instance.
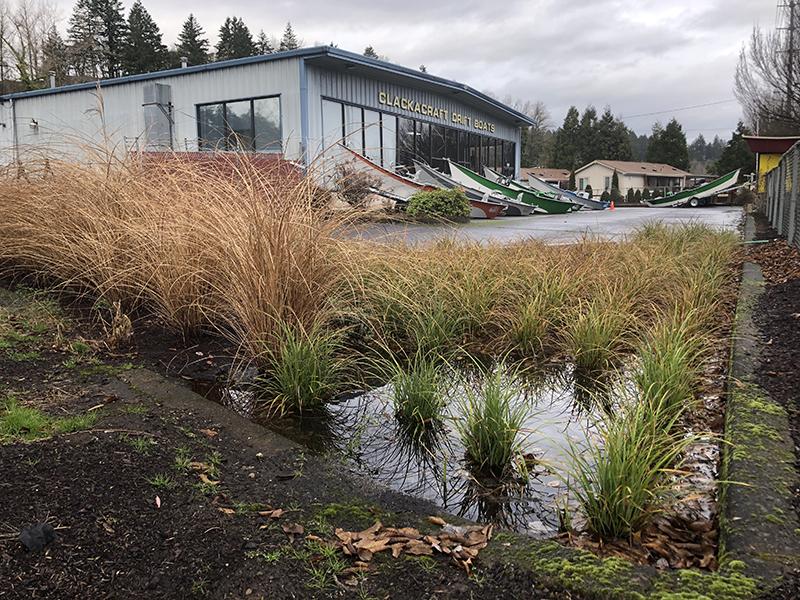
(114, 115)
(364, 91)
(782, 190)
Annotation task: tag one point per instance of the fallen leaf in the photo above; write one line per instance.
(204, 478)
(437, 521)
(158, 502)
(226, 511)
(272, 514)
(293, 529)
(199, 466)
(209, 433)
(418, 548)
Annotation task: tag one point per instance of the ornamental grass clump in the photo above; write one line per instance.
(492, 422)
(598, 332)
(304, 371)
(620, 480)
(670, 356)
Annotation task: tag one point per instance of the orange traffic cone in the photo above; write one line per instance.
(612, 206)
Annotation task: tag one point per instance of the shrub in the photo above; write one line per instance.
(629, 196)
(354, 186)
(588, 189)
(605, 196)
(439, 204)
(637, 196)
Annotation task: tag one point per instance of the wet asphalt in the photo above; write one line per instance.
(555, 229)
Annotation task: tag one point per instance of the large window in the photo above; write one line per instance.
(250, 125)
(395, 142)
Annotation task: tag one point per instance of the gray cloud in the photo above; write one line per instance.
(637, 56)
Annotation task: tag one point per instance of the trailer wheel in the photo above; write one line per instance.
(694, 202)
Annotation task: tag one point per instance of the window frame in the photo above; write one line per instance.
(227, 133)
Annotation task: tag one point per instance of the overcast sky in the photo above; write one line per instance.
(639, 56)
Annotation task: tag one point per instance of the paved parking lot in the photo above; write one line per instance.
(556, 229)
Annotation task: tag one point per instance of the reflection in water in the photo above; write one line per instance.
(563, 406)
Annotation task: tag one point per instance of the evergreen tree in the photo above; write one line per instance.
(638, 145)
(144, 51)
(263, 43)
(111, 35)
(82, 32)
(698, 149)
(612, 138)
(235, 40)
(289, 40)
(566, 141)
(668, 145)
(637, 196)
(571, 182)
(55, 55)
(587, 148)
(630, 196)
(369, 52)
(737, 154)
(192, 42)
(615, 180)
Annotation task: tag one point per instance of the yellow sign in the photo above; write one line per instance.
(433, 111)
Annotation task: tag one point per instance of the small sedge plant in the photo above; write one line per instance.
(492, 422)
(620, 479)
(305, 370)
(419, 402)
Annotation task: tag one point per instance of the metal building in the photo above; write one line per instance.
(294, 103)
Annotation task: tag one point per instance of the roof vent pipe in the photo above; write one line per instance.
(184, 62)
(52, 79)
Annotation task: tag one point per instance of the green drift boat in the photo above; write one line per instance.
(696, 196)
(542, 204)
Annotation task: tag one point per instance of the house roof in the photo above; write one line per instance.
(638, 168)
(770, 144)
(544, 173)
(320, 53)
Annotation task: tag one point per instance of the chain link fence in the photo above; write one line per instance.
(782, 205)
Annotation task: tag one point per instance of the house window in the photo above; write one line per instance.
(607, 183)
(252, 125)
(581, 184)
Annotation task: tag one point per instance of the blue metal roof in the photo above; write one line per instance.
(310, 53)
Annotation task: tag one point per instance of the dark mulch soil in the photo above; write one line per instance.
(123, 533)
(778, 318)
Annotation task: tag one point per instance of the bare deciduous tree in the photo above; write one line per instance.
(24, 26)
(767, 80)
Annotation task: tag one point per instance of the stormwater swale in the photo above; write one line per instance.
(362, 431)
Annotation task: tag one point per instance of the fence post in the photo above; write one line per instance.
(790, 226)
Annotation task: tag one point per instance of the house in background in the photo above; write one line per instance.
(768, 151)
(657, 177)
(557, 177)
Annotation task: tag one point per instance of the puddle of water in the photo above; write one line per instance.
(363, 432)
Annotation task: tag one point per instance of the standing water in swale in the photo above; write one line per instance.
(559, 408)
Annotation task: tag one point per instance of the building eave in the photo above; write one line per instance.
(331, 52)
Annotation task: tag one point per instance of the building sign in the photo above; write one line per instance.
(436, 112)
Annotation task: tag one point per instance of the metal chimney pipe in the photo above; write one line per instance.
(52, 79)
(184, 62)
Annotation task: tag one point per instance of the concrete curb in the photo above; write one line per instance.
(759, 528)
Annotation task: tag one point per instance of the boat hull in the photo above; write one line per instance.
(540, 185)
(469, 178)
(430, 176)
(707, 190)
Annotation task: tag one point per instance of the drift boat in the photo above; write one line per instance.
(468, 178)
(430, 176)
(401, 188)
(695, 196)
(539, 185)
